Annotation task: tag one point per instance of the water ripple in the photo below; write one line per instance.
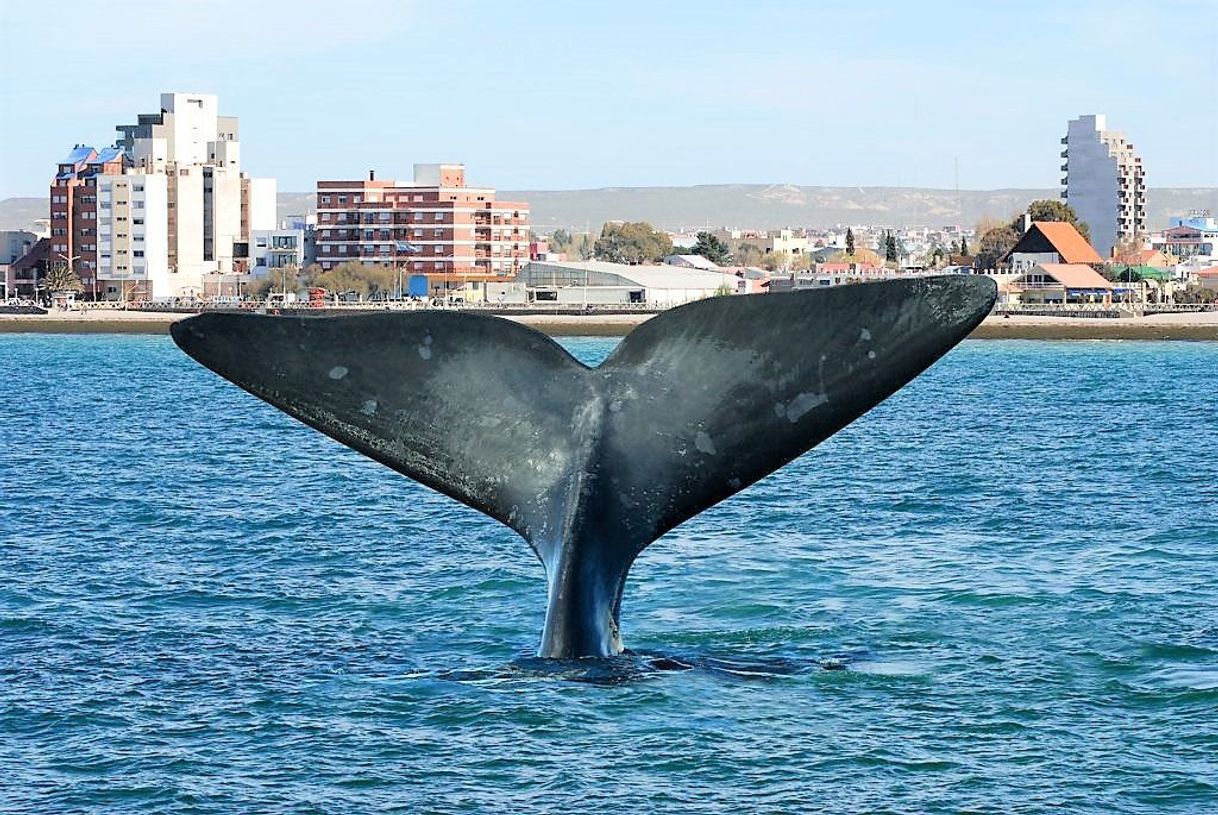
(993, 593)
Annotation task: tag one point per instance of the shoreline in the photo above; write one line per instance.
(1187, 327)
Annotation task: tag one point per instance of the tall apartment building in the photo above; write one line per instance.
(1104, 182)
(164, 210)
(435, 225)
(75, 227)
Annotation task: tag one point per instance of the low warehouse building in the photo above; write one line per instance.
(602, 283)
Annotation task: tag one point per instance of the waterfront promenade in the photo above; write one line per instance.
(1177, 326)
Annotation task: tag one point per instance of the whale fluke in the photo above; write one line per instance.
(590, 465)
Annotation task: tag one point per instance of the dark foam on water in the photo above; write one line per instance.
(632, 666)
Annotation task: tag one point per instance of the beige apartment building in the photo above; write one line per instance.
(435, 225)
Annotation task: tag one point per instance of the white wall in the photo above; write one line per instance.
(186, 192)
(263, 213)
(191, 120)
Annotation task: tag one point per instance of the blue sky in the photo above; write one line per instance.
(553, 95)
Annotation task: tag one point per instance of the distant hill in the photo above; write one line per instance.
(748, 205)
(773, 206)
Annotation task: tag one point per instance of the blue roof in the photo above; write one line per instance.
(107, 154)
(78, 155)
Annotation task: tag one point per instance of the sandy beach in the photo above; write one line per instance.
(1190, 326)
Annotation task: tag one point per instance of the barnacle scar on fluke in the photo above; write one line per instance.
(590, 465)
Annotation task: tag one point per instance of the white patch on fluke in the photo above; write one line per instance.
(864, 335)
(802, 404)
(704, 443)
(369, 407)
(425, 350)
(338, 372)
(871, 355)
(490, 421)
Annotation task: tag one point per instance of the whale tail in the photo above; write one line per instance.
(590, 465)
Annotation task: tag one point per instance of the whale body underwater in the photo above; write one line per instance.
(590, 465)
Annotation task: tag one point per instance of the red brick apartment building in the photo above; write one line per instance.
(74, 227)
(434, 225)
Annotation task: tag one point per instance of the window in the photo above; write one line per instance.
(325, 199)
(418, 266)
(325, 249)
(439, 216)
(138, 204)
(342, 199)
(438, 233)
(418, 216)
(138, 188)
(137, 221)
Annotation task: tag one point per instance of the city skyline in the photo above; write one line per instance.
(669, 96)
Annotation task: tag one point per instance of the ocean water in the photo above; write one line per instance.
(996, 592)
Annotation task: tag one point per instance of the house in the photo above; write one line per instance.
(1207, 278)
(1053, 242)
(1059, 283)
(25, 274)
(1144, 257)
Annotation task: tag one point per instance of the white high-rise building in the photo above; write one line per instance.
(210, 205)
(1104, 183)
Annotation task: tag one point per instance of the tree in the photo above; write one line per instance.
(773, 261)
(561, 241)
(285, 278)
(748, 254)
(849, 241)
(964, 246)
(61, 278)
(584, 247)
(351, 277)
(994, 244)
(890, 248)
(1048, 209)
(633, 243)
(711, 248)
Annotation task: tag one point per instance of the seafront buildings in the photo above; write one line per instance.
(166, 212)
(435, 225)
(1104, 183)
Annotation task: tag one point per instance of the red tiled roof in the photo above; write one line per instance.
(1068, 243)
(1212, 271)
(1075, 275)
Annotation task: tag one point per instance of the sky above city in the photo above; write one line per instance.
(572, 95)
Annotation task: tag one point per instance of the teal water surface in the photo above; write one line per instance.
(994, 593)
